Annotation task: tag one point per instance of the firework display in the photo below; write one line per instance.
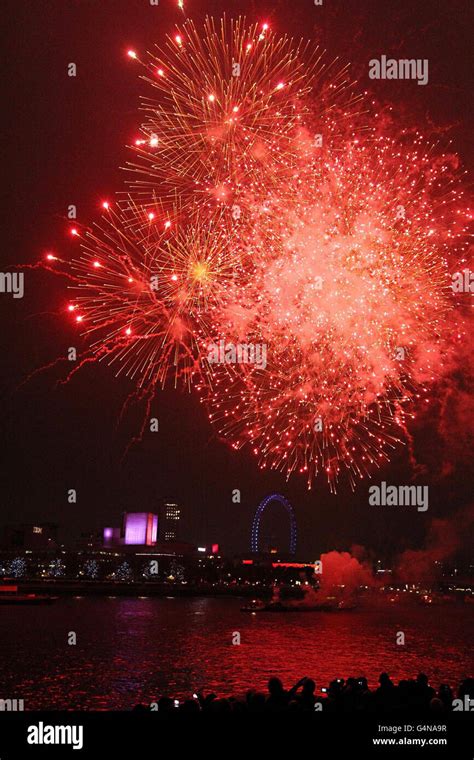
(145, 292)
(283, 254)
(349, 298)
(230, 102)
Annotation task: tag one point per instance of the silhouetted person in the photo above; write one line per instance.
(221, 706)
(209, 701)
(386, 694)
(445, 694)
(165, 705)
(352, 695)
(256, 702)
(278, 699)
(425, 692)
(307, 698)
(364, 695)
(466, 687)
(385, 681)
(190, 706)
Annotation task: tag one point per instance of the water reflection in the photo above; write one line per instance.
(130, 650)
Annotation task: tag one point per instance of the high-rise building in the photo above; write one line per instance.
(170, 515)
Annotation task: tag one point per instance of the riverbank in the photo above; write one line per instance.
(131, 588)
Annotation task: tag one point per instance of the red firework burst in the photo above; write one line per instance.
(290, 262)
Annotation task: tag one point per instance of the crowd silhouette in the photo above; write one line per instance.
(350, 695)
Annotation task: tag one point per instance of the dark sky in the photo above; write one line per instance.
(65, 142)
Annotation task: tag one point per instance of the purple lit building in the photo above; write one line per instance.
(138, 529)
(112, 537)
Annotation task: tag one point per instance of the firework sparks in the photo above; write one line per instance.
(349, 293)
(148, 289)
(264, 211)
(229, 103)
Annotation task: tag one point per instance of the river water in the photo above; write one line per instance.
(133, 650)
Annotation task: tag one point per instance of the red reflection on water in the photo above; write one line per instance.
(135, 650)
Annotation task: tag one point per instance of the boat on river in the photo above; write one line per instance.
(9, 595)
(312, 602)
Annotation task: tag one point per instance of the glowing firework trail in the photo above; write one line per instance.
(149, 288)
(229, 105)
(264, 212)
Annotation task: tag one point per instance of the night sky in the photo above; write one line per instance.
(65, 144)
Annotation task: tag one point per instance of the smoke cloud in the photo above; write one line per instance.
(445, 538)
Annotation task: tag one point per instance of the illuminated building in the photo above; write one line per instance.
(170, 514)
(138, 529)
(37, 536)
